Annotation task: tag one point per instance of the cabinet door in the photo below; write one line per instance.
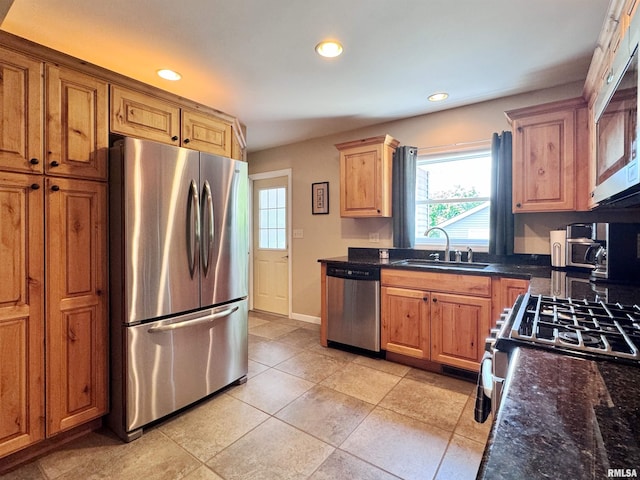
(144, 116)
(405, 322)
(76, 134)
(21, 311)
(206, 133)
(505, 293)
(76, 269)
(20, 112)
(361, 177)
(543, 162)
(459, 326)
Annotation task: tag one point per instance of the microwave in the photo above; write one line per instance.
(617, 173)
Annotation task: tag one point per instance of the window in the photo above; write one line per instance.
(453, 191)
(272, 222)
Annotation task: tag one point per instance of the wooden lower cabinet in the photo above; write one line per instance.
(76, 353)
(53, 366)
(443, 318)
(405, 322)
(21, 311)
(459, 326)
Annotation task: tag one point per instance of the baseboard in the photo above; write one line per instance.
(305, 318)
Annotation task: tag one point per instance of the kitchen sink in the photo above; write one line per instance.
(423, 262)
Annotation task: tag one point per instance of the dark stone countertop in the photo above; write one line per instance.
(565, 417)
(544, 280)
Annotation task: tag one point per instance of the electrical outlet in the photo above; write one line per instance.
(374, 237)
(298, 233)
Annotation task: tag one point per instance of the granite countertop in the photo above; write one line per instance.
(565, 417)
(544, 280)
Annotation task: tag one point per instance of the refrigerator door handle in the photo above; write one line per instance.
(193, 229)
(208, 227)
(193, 322)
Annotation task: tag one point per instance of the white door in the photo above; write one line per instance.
(270, 249)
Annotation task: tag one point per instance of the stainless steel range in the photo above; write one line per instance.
(592, 329)
(588, 329)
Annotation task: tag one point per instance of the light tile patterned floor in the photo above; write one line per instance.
(306, 412)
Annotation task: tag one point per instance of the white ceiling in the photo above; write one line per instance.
(255, 59)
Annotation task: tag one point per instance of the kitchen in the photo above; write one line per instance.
(325, 236)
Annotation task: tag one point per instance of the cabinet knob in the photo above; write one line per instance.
(54, 164)
(35, 186)
(55, 188)
(174, 138)
(425, 299)
(435, 299)
(186, 140)
(34, 161)
(518, 205)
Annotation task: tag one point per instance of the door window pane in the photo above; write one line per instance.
(272, 218)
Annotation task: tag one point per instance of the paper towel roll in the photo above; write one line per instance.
(558, 246)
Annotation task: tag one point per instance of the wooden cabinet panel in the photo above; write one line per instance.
(405, 322)
(459, 325)
(21, 311)
(20, 112)
(77, 132)
(206, 133)
(549, 157)
(144, 116)
(543, 168)
(365, 177)
(505, 293)
(77, 306)
(440, 282)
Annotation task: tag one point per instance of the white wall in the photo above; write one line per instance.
(317, 160)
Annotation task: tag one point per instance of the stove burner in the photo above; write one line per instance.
(577, 328)
(594, 329)
(574, 339)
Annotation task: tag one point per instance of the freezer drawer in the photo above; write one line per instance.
(173, 363)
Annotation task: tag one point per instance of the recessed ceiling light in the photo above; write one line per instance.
(438, 97)
(329, 48)
(169, 74)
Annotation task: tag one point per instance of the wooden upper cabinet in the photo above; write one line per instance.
(76, 329)
(206, 133)
(144, 116)
(550, 157)
(21, 311)
(77, 134)
(20, 112)
(365, 176)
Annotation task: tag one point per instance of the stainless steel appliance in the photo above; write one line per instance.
(581, 245)
(618, 257)
(179, 279)
(588, 329)
(616, 111)
(353, 306)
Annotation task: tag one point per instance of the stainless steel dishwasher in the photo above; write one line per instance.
(353, 306)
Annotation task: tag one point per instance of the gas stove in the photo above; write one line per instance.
(594, 330)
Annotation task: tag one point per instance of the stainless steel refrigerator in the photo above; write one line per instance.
(179, 279)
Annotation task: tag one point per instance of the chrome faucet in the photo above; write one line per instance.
(469, 255)
(446, 247)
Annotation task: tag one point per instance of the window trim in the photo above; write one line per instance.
(465, 151)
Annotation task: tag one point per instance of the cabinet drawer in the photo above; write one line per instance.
(438, 282)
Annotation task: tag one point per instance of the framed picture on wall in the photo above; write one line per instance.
(320, 198)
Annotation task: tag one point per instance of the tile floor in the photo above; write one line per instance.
(306, 412)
